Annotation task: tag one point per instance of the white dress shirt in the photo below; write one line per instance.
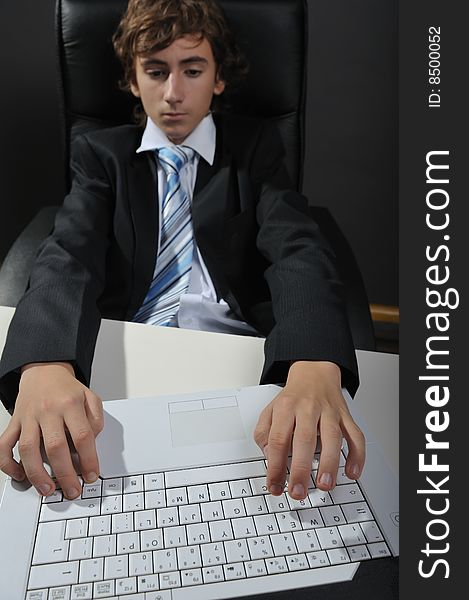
(199, 308)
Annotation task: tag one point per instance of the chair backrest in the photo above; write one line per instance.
(271, 33)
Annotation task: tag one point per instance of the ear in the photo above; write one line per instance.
(219, 87)
(134, 89)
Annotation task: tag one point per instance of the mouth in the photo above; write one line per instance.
(174, 115)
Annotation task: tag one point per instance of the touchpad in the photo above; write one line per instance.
(205, 421)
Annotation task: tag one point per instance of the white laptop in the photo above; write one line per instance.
(181, 512)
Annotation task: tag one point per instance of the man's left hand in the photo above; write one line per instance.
(310, 403)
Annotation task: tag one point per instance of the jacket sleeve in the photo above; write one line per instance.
(57, 319)
(307, 295)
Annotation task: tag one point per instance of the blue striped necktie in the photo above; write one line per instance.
(174, 261)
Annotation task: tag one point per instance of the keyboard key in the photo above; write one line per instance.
(332, 515)
(234, 571)
(255, 505)
(92, 490)
(81, 548)
(236, 551)
(306, 541)
(112, 487)
(141, 563)
(260, 547)
(104, 545)
(153, 481)
(276, 565)
(52, 575)
(310, 518)
(133, 483)
(91, 570)
(329, 537)
(151, 539)
(352, 534)
(220, 531)
(76, 528)
(277, 503)
(288, 521)
(145, 519)
(283, 544)
(317, 559)
(38, 594)
(189, 557)
(371, 531)
(103, 589)
(378, 550)
(174, 536)
(164, 560)
(212, 511)
(51, 545)
(240, 488)
(170, 580)
(192, 577)
(346, 493)
(255, 568)
(213, 574)
(148, 583)
(100, 525)
(198, 533)
(358, 553)
(213, 554)
(70, 509)
(59, 593)
(337, 556)
(319, 498)
(198, 493)
(297, 562)
(176, 496)
(219, 491)
(244, 527)
(127, 585)
(116, 566)
(266, 524)
(234, 508)
(357, 512)
(82, 591)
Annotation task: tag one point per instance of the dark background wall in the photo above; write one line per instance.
(351, 145)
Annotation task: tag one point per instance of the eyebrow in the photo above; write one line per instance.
(150, 62)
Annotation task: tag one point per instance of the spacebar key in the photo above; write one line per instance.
(52, 575)
(200, 475)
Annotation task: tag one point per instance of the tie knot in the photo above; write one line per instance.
(173, 158)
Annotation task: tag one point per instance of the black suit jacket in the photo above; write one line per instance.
(265, 255)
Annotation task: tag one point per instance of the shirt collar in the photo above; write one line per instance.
(202, 139)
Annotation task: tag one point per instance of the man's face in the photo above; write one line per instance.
(176, 85)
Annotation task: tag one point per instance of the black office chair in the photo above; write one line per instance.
(272, 34)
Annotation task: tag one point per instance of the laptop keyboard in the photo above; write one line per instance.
(196, 534)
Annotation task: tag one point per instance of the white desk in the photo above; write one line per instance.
(141, 360)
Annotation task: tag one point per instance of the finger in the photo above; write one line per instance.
(94, 411)
(83, 438)
(8, 441)
(303, 447)
(58, 453)
(31, 458)
(331, 443)
(261, 433)
(279, 442)
(356, 447)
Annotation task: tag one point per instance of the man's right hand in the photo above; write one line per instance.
(50, 403)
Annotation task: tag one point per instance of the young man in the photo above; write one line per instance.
(253, 262)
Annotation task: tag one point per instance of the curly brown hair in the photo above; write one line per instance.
(151, 25)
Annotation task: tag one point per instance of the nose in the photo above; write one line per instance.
(173, 90)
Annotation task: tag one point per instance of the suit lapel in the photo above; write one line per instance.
(143, 192)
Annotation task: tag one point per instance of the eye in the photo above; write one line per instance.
(193, 72)
(156, 74)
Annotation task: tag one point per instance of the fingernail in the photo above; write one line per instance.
(298, 490)
(355, 470)
(19, 476)
(72, 493)
(325, 479)
(44, 489)
(91, 477)
(275, 488)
